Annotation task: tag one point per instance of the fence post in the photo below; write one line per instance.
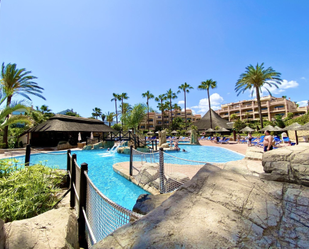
(161, 162)
(68, 167)
(156, 144)
(152, 144)
(131, 160)
(82, 204)
(73, 180)
(27, 157)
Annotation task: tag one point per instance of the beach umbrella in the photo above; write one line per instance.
(149, 132)
(210, 130)
(293, 127)
(305, 127)
(222, 130)
(79, 137)
(269, 128)
(188, 131)
(91, 135)
(174, 132)
(278, 128)
(157, 132)
(247, 129)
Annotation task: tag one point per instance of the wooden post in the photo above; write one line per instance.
(131, 160)
(27, 157)
(234, 135)
(296, 137)
(152, 144)
(156, 144)
(73, 180)
(82, 204)
(161, 170)
(68, 167)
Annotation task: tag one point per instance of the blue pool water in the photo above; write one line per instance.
(116, 187)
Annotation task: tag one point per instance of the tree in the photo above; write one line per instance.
(123, 96)
(185, 88)
(161, 106)
(110, 117)
(103, 116)
(256, 78)
(233, 117)
(127, 108)
(96, 112)
(137, 114)
(170, 95)
(205, 85)
(149, 96)
(116, 97)
(17, 81)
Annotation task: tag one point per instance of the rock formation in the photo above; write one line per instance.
(162, 137)
(222, 208)
(194, 137)
(56, 228)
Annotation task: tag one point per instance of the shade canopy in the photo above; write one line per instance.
(188, 131)
(278, 128)
(210, 130)
(269, 128)
(247, 129)
(79, 138)
(304, 127)
(293, 127)
(67, 123)
(149, 132)
(222, 130)
(174, 132)
(204, 123)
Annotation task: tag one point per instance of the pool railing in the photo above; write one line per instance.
(98, 216)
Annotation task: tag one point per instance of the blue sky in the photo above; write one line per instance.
(84, 51)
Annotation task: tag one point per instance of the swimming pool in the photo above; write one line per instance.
(116, 187)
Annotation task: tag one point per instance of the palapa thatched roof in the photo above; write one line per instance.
(293, 127)
(304, 127)
(247, 129)
(204, 123)
(70, 123)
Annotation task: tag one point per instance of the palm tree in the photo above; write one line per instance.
(149, 96)
(116, 97)
(110, 117)
(96, 112)
(17, 81)
(123, 96)
(205, 85)
(127, 108)
(161, 107)
(233, 117)
(136, 116)
(185, 88)
(254, 79)
(170, 95)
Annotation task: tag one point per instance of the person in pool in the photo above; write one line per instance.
(183, 150)
(268, 139)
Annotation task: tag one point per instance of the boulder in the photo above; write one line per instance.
(165, 145)
(2, 235)
(124, 150)
(146, 203)
(56, 228)
(148, 173)
(162, 137)
(222, 209)
(288, 164)
(98, 146)
(88, 147)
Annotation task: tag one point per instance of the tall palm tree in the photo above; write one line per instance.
(149, 96)
(205, 85)
(127, 108)
(17, 81)
(185, 88)
(170, 95)
(123, 96)
(254, 78)
(161, 107)
(233, 117)
(96, 112)
(116, 97)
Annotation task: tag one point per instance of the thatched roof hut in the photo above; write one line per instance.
(204, 122)
(65, 128)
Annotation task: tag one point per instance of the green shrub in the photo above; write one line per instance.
(28, 191)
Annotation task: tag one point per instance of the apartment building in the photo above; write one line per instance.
(155, 119)
(270, 107)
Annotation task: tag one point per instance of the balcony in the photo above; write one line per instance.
(280, 109)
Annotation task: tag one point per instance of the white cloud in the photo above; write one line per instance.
(215, 100)
(181, 102)
(302, 103)
(282, 88)
(302, 78)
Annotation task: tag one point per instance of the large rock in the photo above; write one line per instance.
(288, 164)
(54, 229)
(162, 137)
(2, 235)
(222, 209)
(164, 145)
(146, 203)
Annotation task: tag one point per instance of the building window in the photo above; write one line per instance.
(142, 126)
(159, 122)
(178, 113)
(159, 116)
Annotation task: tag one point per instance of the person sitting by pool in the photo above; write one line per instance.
(217, 139)
(176, 146)
(268, 140)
